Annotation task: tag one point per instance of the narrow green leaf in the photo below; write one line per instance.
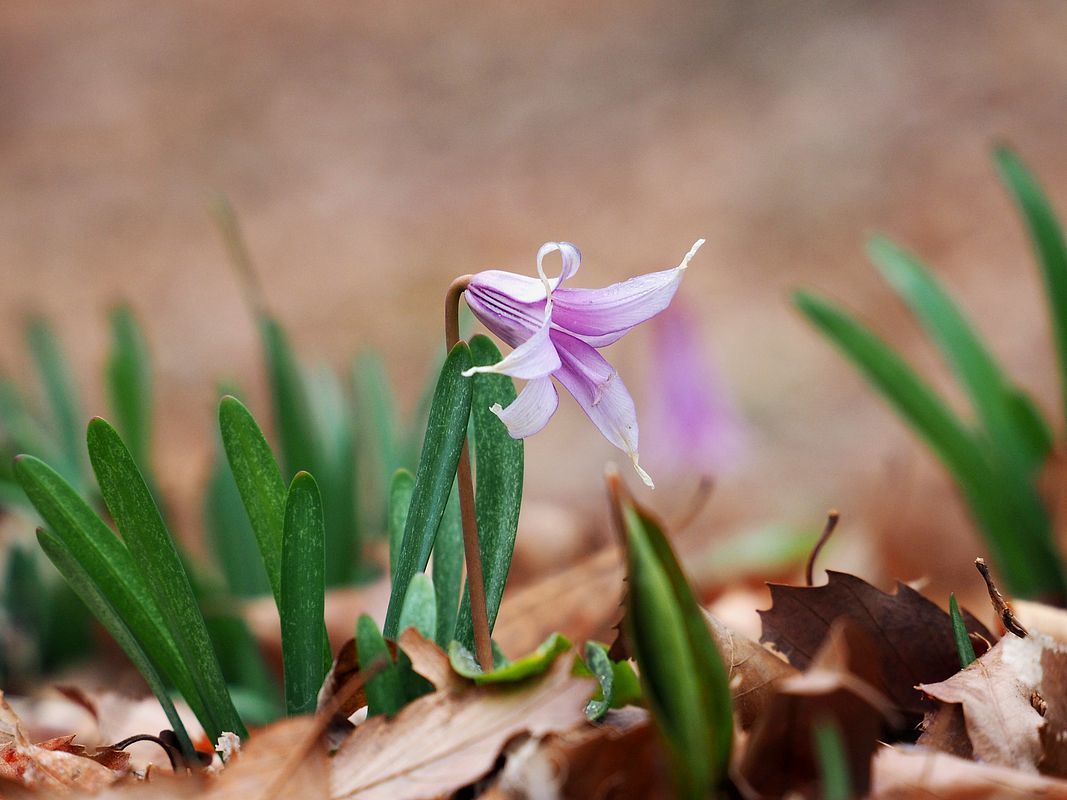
(114, 621)
(109, 564)
(303, 594)
(62, 398)
(1046, 236)
(959, 633)
(292, 408)
(154, 554)
(535, 663)
(448, 569)
(129, 384)
(446, 432)
(682, 674)
(977, 370)
(255, 693)
(1035, 434)
(385, 692)
(378, 434)
(19, 426)
(833, 763)
(498, 494)
(259, 482)
(399, 502)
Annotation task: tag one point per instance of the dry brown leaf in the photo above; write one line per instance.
(904, 773)
(754, 671)
(1053, 691)
(52, 765)
(1041, 618)
(345, 665)
(998, 713)
(837, 688)
(912, 635)
(254, 772)
(431, 662)
(446, 740)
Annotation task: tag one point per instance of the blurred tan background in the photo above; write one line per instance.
(376, 149)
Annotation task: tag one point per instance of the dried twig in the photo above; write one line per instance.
(1000, 605)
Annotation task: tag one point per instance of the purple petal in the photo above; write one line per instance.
(500, 301)
(603, 316)
(600, 392)
(531, 410)
(534, 358)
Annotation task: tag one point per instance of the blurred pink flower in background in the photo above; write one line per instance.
(691, 426)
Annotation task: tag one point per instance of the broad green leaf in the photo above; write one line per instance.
(1046, 235)
(682, 675)
(420, 610)
(259, 482)
(399, 503)
(109, 564)
(1028, 562)
(833, 763)
(446, 432)
(62, 398)
(448, 570)
(535, 663)
(989, 389)
(115, 622)
(129, 384)
(230, 533)
(292, 409)
(154, 554)
(303, 594)
(619, 684)
(498, 493)
(385, 691)
(959, 633)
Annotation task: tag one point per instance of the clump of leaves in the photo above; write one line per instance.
(996, 459)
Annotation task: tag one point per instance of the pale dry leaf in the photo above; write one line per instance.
(431, 662)
(256, 771)
(1042, 618)
(446, 740)
(904, 773)
(995, 694)
(1053, 691)
(754, 671)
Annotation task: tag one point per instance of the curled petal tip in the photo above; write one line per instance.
(645, 477)
(692, 252)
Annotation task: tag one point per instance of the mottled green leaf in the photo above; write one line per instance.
(535, 663)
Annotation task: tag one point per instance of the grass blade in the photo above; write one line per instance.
(303, 594)
(498, 494)
(833, 763)
(129, 383)
(446, 431)
(259, 482)
(989, 389)
(1046, 236)
(114, 622)
(62, 399)
(959, 633)
(399, 503)
(109, 564)
(448, 570)
(684, 681)
(292, 409)
(154, 554)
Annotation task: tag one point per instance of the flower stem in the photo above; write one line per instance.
(471, 548)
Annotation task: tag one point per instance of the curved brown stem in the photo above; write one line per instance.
(472, 551)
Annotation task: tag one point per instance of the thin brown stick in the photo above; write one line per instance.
(832, 518)
(322, 722)
(1000, 605)
(472, 551)
(701, 496)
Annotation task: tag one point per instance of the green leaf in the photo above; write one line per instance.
(959, 633)
(498, 494)
(1046, 236)
(446, 432)
(619, 684)
(399, 502)
(115, 622)
(833, 763)
(104, 558)
(385, 691)
(292, 409)
(964, 350)
(20, 427)
(252, 686)
(682, 674)
(259, 482)
(303, 594)
(135, 513)
(62, 398)
(535, 663)
(129, 384)
(448, 569)
(420, 611)
(377, 433)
